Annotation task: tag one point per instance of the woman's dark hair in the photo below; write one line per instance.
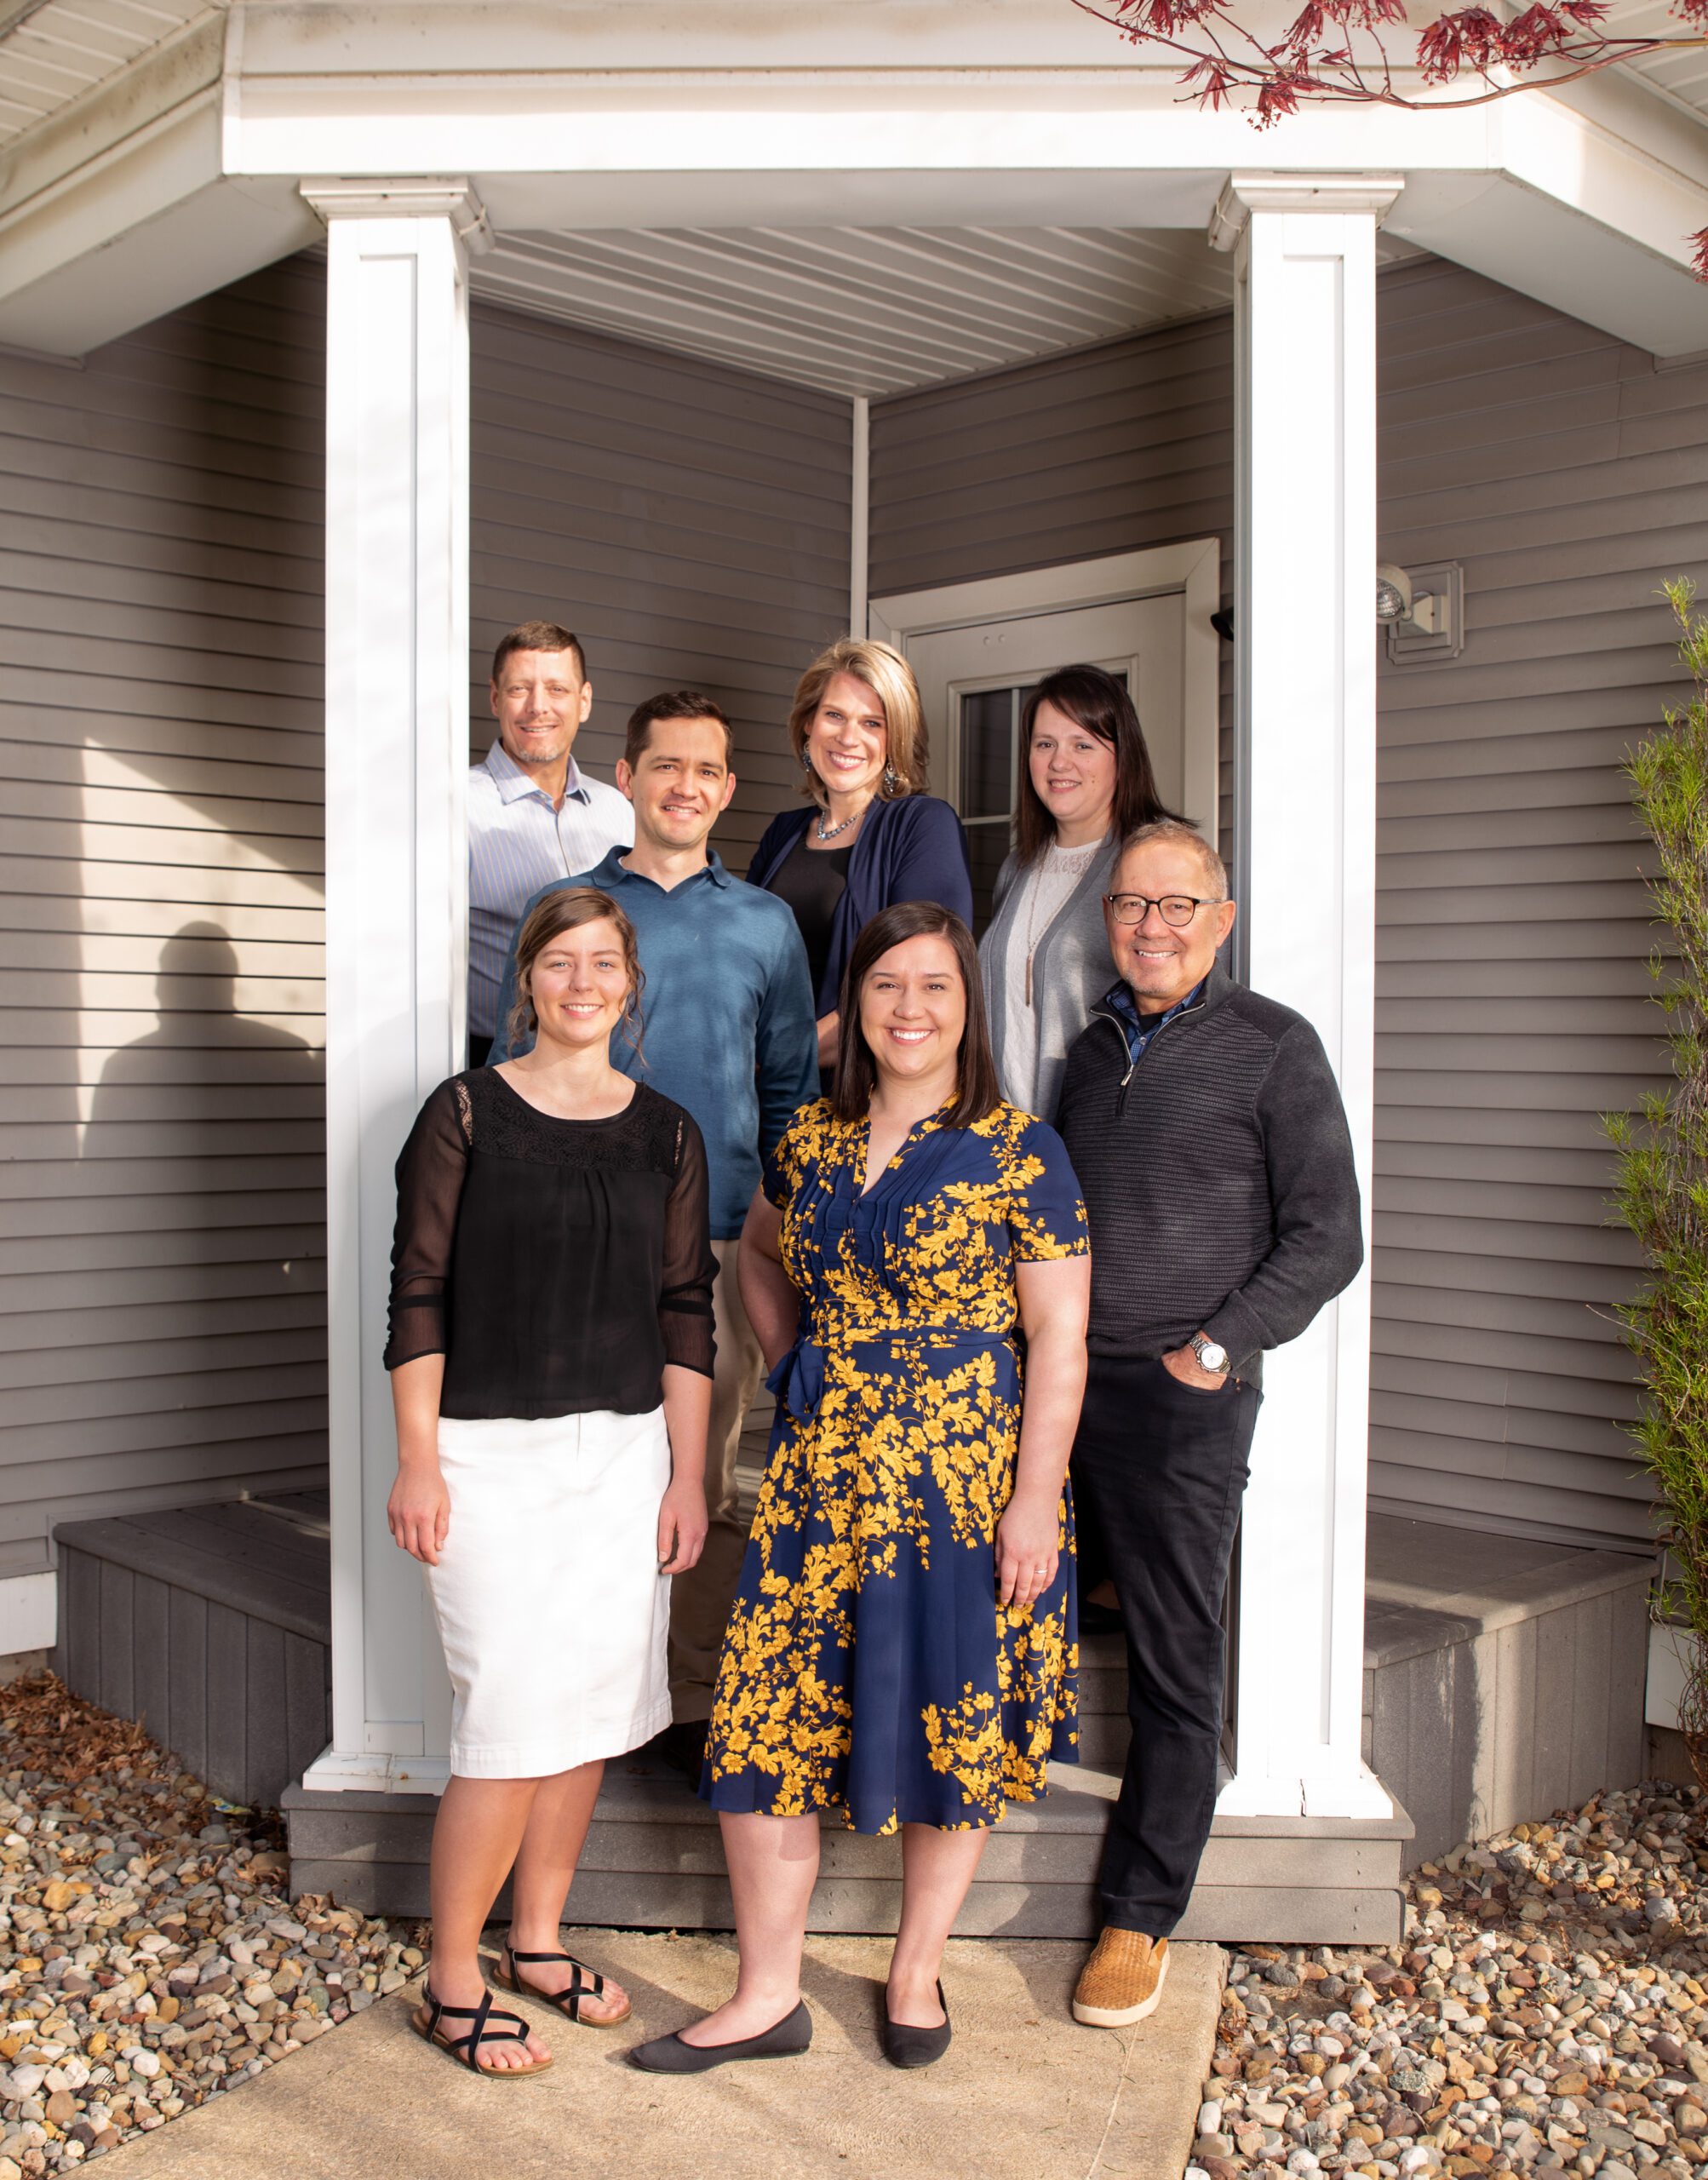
(568, 910)
(856, 1071)
(1100, 704)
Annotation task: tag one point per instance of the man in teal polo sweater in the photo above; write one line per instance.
(727, 1031)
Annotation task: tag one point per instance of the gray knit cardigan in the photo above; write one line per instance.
(1071, 970)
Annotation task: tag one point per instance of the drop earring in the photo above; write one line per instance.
(891, 782)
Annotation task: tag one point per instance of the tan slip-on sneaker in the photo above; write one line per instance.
(1122, 1981)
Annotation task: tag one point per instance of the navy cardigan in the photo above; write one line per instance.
(911, 849)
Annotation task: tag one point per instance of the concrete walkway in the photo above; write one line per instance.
(1023, 2094)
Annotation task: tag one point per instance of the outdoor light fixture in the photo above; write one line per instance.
(1394, 597)
(1422, 608)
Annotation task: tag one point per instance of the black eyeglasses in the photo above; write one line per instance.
(1176, 908)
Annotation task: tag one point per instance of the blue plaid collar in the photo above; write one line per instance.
(1139, 1028)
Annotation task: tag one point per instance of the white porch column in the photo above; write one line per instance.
(1305, 818)
(396, 749)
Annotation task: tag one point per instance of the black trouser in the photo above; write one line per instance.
(1158, 1471)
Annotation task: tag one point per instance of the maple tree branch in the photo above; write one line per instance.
(1251, 73)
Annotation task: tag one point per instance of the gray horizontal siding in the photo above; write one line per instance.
(1113, 449)
(1564, 472)
(689, 522)
(162, 1167)
(1107, 450)
(162, 1135)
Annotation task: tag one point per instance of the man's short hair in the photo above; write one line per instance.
(539, 636)
(674, 704)
(1176, 832)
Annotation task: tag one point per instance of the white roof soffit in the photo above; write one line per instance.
(54, 52)
(788, 119)
(866, 311)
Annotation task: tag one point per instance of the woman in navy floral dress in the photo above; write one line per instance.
(903, 1651)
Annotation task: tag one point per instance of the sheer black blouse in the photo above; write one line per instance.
(557, 1266)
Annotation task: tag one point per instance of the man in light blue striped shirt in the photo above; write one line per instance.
(533, 815)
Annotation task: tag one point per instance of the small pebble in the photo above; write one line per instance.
(150, 1957)
(1544, 2018)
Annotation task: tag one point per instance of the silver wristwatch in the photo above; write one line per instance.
(1211, 1357)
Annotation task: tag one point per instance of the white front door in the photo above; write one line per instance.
(979, 650)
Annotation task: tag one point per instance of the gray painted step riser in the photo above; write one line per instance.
(1280, 1914)
(1104, 1742)
(693, 1850)
(1102, 1691)
(240, 1700)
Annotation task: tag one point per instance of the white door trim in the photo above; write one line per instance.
(1193, 568)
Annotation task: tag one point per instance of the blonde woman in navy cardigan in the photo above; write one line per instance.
(873, 836)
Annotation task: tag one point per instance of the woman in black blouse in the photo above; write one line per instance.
(551, 1360)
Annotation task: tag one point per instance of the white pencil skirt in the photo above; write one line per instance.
(550, 1604)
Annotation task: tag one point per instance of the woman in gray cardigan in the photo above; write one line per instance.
(1087, 783)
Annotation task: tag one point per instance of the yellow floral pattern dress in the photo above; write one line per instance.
(868, 1667)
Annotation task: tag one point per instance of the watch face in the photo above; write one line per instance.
(1210, 1357)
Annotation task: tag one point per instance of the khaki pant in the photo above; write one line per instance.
(700, 1599)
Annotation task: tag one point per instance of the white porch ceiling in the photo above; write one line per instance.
(52, 51)
(860, 310)
(1683, 74)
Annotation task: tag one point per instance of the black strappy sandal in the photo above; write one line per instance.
(584, 1983)
(427, 2021)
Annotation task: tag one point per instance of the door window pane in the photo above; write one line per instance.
(987, 754)
(987, 845)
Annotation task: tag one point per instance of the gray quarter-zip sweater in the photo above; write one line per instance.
(1217, 1176)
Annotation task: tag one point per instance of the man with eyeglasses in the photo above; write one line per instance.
(1207, 1129)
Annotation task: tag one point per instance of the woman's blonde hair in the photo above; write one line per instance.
(568, 911)
(890, 677)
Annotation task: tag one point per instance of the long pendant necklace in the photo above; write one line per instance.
(1072, 863)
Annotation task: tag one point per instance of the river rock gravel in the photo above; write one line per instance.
(151, 1956)
(1546, 2016)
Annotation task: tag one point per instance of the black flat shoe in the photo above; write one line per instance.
(905, 2046)
(669, 2055)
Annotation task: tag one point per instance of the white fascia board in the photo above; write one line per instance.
(865, 196)
(1627, 186)
(1578, 215)
(1567, 259)
(116, 211)
(357, 38)
(212, 236)
(796, 121)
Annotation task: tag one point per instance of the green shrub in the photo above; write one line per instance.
(1662, 1172)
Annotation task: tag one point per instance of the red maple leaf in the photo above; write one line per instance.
(1470, 37)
